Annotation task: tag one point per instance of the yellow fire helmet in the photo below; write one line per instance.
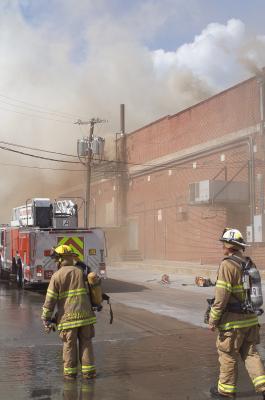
(63, 251)
(233, 237)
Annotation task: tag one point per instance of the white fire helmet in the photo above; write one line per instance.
(233, 238)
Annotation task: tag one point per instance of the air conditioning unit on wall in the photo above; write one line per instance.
(213, 191)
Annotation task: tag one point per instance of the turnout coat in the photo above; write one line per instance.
(69, 291)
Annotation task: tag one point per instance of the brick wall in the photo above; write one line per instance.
(229, 111)
(170, 228)
(161, 222)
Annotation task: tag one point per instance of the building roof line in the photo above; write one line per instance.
(171, 116)
(213, 96)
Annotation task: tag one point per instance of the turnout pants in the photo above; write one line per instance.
(78, 341)
(232, 344)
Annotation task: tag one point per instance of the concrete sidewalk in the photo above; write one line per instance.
(168, 267)
(181, 298)
(183, 268)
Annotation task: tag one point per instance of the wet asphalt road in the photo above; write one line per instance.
(143, 355)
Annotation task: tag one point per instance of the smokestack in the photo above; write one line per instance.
(122, 119)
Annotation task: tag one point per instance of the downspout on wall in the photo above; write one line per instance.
(251, 180)
(261, 83)
(260, 176)
(123, 184)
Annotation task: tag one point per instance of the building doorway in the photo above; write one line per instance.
(133, 235)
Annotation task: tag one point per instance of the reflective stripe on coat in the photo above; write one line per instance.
(229, 290)
(68, 290)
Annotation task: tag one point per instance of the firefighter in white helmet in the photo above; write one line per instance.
(75, 317)
(238, 330)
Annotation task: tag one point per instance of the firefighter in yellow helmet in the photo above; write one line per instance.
(75, 317)
(238, 330)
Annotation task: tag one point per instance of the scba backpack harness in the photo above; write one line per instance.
(253, 299)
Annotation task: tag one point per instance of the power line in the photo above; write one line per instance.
(119, 161)
(39, 157)
(205, 165)
(37, 108)
(33, 109)
(36, 116)
(37, 149)
(44, 168)
(156, 167)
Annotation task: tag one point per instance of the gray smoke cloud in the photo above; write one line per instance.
(220, 56)
(84, 62)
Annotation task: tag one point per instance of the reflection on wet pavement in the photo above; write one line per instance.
(141, 356)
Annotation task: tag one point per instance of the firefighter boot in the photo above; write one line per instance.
(89, 375)
(217, 395)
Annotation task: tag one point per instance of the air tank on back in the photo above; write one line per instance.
(255, 288)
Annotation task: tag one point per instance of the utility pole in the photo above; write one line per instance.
(84, 149)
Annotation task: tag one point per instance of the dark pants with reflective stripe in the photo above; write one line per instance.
(78, 341)
(237, 343)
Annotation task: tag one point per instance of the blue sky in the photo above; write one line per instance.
(179, 21)
(208, 11)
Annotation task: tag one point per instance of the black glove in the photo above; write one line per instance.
(208, 310)
(48, 326)
(97, 307)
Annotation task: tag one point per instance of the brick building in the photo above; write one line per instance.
(186, 177)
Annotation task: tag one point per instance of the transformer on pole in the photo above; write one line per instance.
(86, 148)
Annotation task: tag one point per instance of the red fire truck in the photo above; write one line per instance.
(38, 226)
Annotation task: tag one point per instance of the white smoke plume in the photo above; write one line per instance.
(82, 60)
(221, 56)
